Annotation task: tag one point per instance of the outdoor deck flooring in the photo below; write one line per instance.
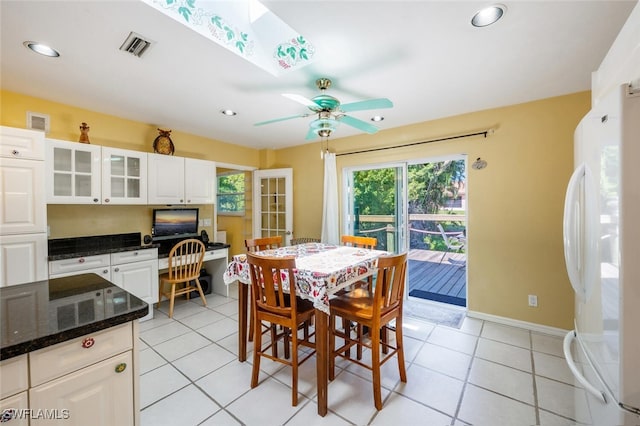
(446, 281)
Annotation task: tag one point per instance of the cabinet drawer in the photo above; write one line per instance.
(18, 402)
(134, 256)
(63, 358)
(15, 375)
(78, 264)
(104, 272)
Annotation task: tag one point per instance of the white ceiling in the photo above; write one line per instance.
(422, 55)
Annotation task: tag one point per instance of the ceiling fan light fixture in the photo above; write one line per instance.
(42, 49)
(488, 15)
(377, 118)
(228, 112)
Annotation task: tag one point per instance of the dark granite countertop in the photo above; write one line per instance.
(68, 248)
(43, 313)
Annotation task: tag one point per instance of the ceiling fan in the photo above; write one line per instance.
(331, 112)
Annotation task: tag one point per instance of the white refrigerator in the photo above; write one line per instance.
(602, 253)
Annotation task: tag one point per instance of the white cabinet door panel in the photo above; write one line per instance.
(98, 393)
(21, 143)
(22, 209)
(200, 181)
(23, 259)
(166, 179)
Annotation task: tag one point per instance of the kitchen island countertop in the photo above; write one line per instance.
(44, 313)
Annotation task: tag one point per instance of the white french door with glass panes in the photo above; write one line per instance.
(273, 204)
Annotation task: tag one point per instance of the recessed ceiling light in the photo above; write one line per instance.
(228, 112)
(377, 118)
(488, 15)
(42, 49)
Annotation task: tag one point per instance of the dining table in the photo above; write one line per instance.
(321, 271)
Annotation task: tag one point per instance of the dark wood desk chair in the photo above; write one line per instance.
(271, 304)
(185, 262)
(252, 246)
(374, 310)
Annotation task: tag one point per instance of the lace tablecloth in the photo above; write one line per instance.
(321, 269)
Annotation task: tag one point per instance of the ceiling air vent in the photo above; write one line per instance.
(135, 44)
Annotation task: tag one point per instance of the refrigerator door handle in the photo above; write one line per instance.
(571, 231)
(570, 337)
(579, 229)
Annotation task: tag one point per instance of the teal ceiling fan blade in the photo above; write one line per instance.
(358, 124)
(275, 120)
(369, 104)
(311, 134)
(300, 99)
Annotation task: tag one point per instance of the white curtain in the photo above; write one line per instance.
(330, 213)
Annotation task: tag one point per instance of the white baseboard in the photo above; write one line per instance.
(545, 329)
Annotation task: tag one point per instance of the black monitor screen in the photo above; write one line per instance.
(174, 223)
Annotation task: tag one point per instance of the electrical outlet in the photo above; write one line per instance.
(207, 222)
(533, 300)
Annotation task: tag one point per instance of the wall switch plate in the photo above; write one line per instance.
(207, 222)
(533, 300)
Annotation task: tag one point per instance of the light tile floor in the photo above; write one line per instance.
(481, 374)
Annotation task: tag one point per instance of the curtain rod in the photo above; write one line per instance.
(484, 133)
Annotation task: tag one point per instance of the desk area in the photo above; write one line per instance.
(215, 263)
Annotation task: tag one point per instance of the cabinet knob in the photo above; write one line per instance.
(181, 200)
(15, 152)
(106, 200)
(135, 253)
(117, 270)
(81, 260)
(95, 200)
(88, 342)
(106, 271)
(121, 367)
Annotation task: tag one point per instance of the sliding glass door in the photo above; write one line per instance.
(419, 207)
(375, 205)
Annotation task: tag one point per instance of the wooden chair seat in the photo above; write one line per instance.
(376, 310)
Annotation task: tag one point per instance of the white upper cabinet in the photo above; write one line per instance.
(80, 173)
(199, 181)
(73, 172)
(178, 180)
(21, 143)
(124, 176)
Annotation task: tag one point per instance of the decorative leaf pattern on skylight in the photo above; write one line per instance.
(243, 27)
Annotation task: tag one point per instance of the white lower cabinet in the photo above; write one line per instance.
(14, 373)
(90, 380)
(101, 394)
(137, 272)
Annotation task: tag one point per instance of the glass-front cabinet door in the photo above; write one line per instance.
(73, 172)
(124, 176)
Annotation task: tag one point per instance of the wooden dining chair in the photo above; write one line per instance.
(361, 242)
(185, 262)
(258, 244)
(375, 310)
(271, 303)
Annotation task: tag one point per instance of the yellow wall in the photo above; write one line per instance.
(514, 205)
(81, 220)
